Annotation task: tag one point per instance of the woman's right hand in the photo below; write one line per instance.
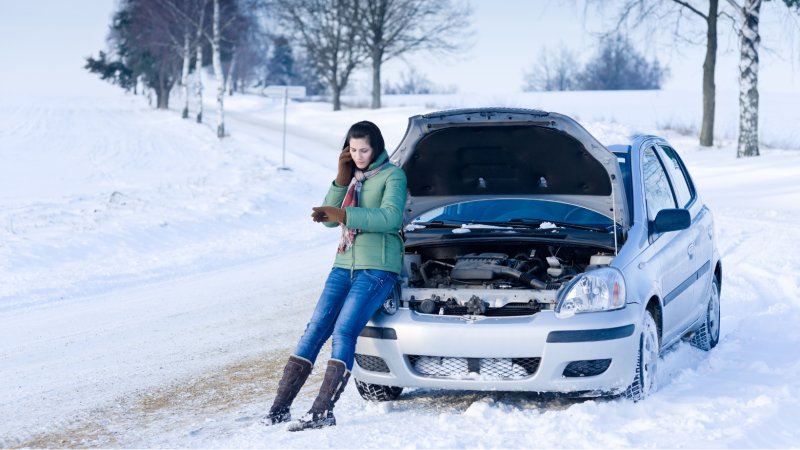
(345, 168)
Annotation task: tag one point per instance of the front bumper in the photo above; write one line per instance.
(410, 344)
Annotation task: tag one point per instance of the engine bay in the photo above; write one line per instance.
(492, 280)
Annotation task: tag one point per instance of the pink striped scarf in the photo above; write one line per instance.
(351, 198)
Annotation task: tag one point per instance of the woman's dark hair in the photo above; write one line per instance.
(366, 129)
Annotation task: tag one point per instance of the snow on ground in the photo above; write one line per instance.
(153, 279)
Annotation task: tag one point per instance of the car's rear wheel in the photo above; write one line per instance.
(644, 380)
(378, 392)
(707, 336)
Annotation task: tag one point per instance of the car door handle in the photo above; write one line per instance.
(690, 250)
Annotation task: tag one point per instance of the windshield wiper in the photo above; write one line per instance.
(537, 224)
(524, 223)
(434, 224)
(467, 224)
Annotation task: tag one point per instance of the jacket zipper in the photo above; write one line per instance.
(383, 249)
(353, 263)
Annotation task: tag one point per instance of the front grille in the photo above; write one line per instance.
(372, 363)
(510, 309)
(469, 368)
(586, 368)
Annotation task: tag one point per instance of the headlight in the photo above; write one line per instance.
(599, 290)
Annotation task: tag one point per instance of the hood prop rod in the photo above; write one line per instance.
(614, 209)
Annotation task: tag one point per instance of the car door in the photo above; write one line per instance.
(701, 231)
(668, 251)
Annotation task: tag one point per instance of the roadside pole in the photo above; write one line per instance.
(277, 91)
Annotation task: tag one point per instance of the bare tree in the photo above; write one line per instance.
(249, 59)
(411, 82)
(329, 33)
(747, 24)
(190, 17)
(198, 65)
(216, 43)
(552, 72)
(617, 65)
(641, 10)
(184, 17)
(228, 27)
(397, 27)
(748, 77)
(143, 44)
(225, 16)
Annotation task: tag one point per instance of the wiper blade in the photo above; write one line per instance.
(470, 225)
(538, 223)
(432, 224)
(519, 223)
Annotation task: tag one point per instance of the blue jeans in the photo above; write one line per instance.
(344, 307)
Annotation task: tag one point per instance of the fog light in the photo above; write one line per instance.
(390, 305)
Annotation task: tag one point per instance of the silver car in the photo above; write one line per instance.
(538, 259)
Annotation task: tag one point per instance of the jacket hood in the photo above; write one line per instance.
(471, 154)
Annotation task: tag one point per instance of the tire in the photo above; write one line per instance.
(644, 379)
(707, 337)
(378, 392)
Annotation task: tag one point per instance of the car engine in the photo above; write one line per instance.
(457, 281)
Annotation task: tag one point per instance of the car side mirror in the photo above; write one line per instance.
(673, 219)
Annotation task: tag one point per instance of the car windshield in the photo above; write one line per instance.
(515, 210)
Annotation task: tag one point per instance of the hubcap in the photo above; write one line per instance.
(713, 313)
(649, 353)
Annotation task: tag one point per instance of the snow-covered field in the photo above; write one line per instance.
(154, 278)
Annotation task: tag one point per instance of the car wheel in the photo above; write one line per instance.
(377, 392)
(644, 380)
(707, 336)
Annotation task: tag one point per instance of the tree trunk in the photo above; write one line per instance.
(198, 65)
(376, 79)
(162, 94)
(230, 84)
(709, 67)
(198, 81)
(748, 80)
(187, 56)
(218, 73)
(337, 103)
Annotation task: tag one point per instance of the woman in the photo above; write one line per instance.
(366, 199)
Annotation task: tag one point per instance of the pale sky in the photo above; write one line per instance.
(510, 34)
(44, 43)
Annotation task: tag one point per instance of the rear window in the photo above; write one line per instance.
(680, 182)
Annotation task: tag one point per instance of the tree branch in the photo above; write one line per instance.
(691, 8)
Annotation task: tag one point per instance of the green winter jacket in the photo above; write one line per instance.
(378, 218)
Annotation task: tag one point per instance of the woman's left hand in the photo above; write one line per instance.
(329, 214)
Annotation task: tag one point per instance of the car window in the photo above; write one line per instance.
(683, 188)
(503, 210)
(657, 191)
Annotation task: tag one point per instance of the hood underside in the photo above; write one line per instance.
(463, 155)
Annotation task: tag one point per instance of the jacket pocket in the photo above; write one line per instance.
(378, 277)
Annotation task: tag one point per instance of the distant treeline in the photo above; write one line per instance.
(616, 65)
(158, 44)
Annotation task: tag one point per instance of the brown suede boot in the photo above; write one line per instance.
(294, 375)
(321, 412)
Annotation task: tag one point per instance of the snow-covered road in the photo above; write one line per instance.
(160, 316)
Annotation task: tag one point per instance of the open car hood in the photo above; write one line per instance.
(485, 153)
